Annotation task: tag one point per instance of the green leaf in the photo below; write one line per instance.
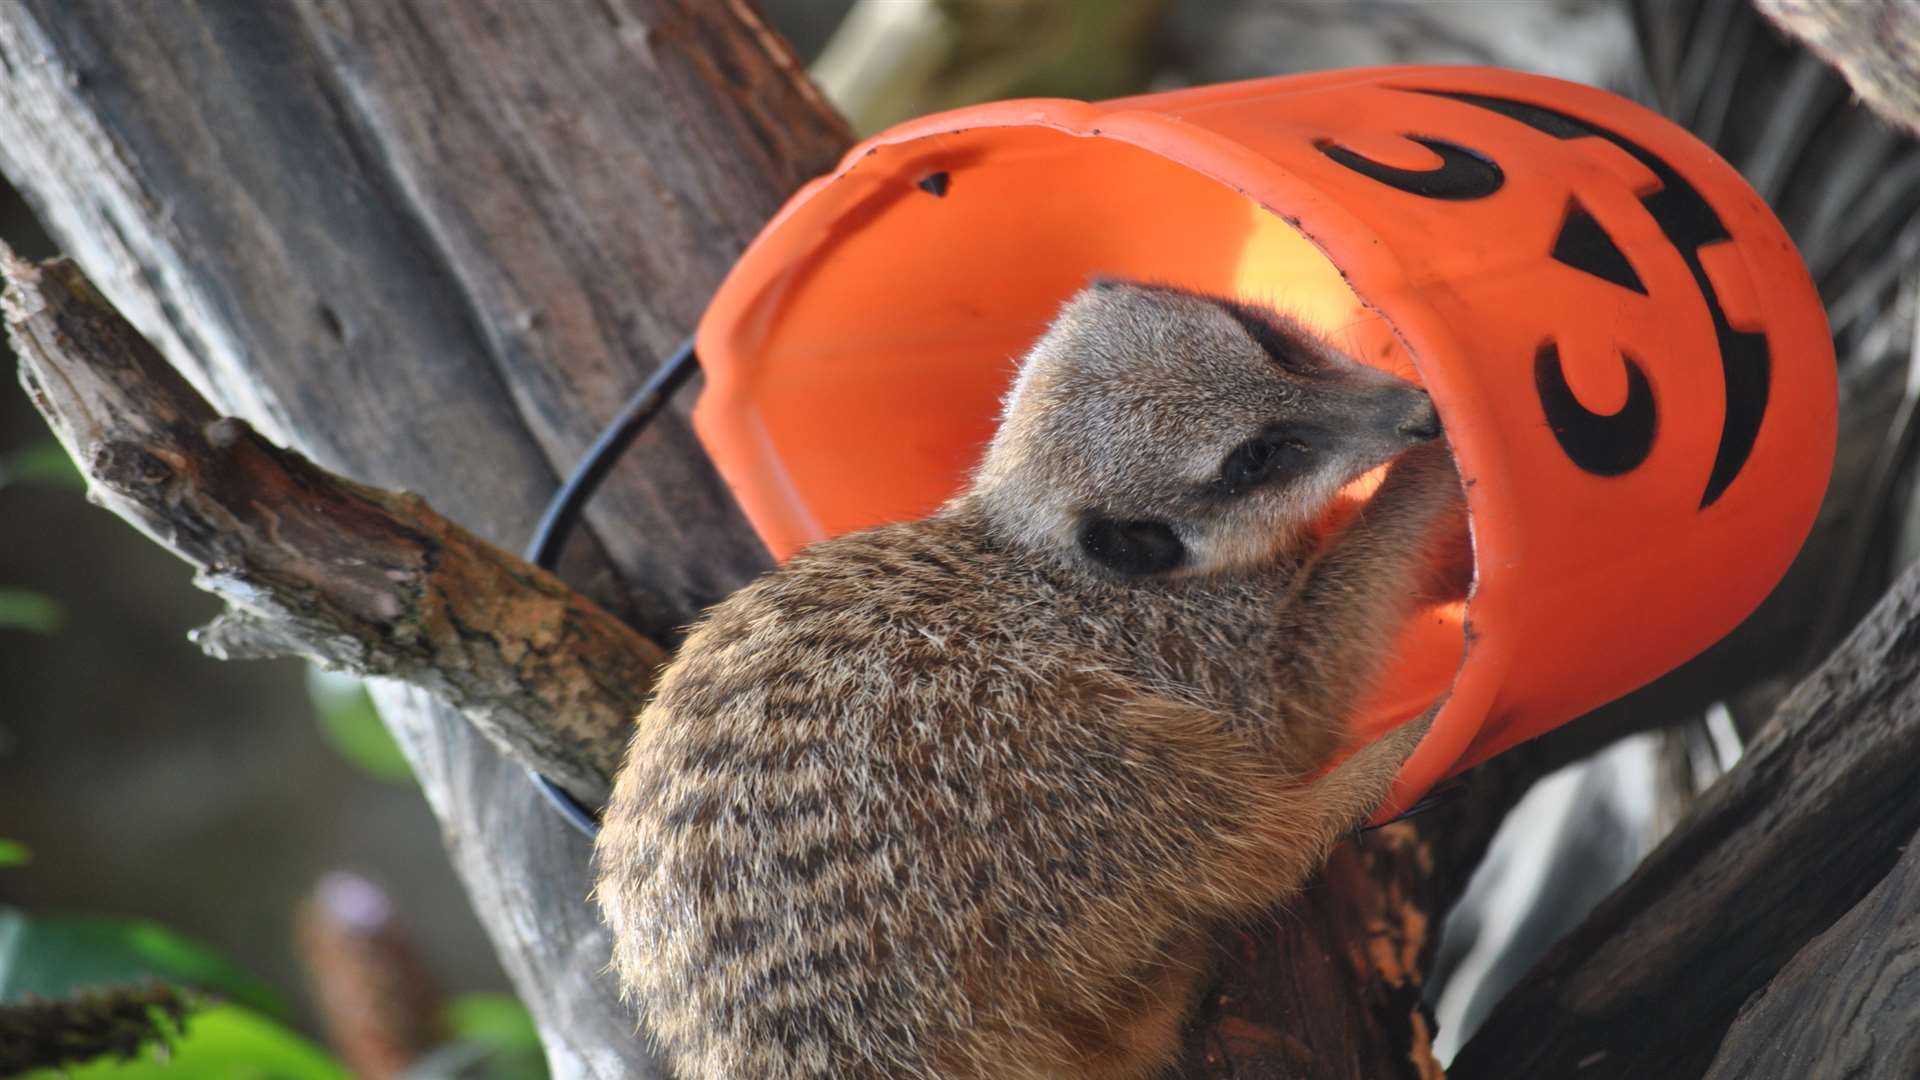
(500, 1025)
(13, 853)
(222, 1042)
(499, 1019)
(352, 726)
(24, 610)
(45, 463)
(53, 955)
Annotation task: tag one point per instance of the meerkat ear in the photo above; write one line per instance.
(1134, 548)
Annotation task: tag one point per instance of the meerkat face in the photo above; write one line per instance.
(1156, 432)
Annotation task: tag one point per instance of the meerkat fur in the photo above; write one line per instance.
(961, 797)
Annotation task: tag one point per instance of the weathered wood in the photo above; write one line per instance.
(115, 1023)
(1329, 986)
(1874, 43)
(619, 192)
(1812, 816)
(1848, 1004)
(446, 237)
(359, 579)
(268, 191)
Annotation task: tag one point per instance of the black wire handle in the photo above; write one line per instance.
(563, 514)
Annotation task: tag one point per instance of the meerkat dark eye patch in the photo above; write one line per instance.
(1135, 548)
(1269, 457)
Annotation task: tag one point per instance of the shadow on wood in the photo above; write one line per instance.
(1845, 1004)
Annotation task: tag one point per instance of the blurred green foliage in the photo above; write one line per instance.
(24, 609)
(352, 726)
(51, 956)
(81, 969)
(45, 463)
(13, 853)
(76, 966)
(499, 1027)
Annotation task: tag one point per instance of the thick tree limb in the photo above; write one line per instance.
(1845, 1005)
(359, 579)
(1802, 828)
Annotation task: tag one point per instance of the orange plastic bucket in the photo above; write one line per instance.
(1632, 365)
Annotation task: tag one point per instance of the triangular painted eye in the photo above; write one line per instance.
(1583, 244)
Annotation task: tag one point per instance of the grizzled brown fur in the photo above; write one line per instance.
(960, 797)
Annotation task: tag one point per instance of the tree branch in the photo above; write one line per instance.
(1845, 1005)
(314, 565)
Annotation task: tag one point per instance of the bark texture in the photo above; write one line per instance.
(1845, 1005)
(1874, 43)
(320, 567)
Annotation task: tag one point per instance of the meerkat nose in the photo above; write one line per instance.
(1424, 423)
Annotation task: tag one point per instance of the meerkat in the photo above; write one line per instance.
(961, 797)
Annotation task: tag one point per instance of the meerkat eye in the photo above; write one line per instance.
(1134, 548)
(1259, 460)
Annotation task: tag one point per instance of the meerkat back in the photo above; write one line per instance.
(960, 797)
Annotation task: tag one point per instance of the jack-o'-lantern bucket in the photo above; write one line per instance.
(1632, 366)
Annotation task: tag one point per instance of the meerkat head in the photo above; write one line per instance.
(1153, 431)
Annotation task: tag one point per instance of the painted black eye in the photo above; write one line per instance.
(1257, 461)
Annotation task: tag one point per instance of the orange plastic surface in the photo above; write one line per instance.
(1633, 368)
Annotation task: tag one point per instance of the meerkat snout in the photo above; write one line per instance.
(1424, 424)
(1154, 431)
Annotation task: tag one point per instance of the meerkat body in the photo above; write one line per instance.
(959, 797)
